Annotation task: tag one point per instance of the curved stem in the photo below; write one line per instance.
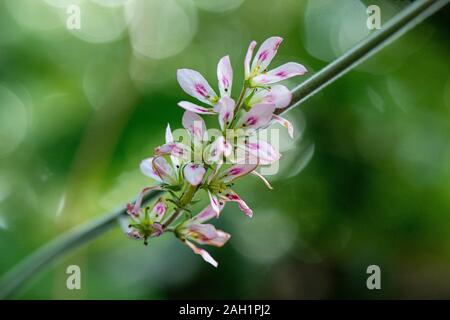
(401, 23)
(65, 243)
(404, 21)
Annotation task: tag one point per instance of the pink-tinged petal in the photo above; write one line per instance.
(159, 210)
(164, 170)
(285, 123)
(172, 148)
(237, 171)
(225, 76)
(220, 239)
(225, 108)
(258, 117)
(169, 136)
(265, 54)
(227, 148)
(203, 253)
(135, 209)
(266, 182)
(214, 152)
(157, 229)
(278, 95)
(215, 203)
(195, 85)
(195, 108)
(134, 234)
(201, 232)
(283, 72)
(264, 152)
(194, 173)
(169, 139)
(147, 169)
(195, 125)
(230, 195)
(248, 58)
(207, 234)
(206, 214)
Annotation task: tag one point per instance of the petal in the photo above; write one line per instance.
(164, 170)
(258, 117)
(225, 108)
(259, 175)
(169, 139)
(237, 171)
(248, 58)
(215, 203)
(264, 152)
(194, 173)
(195, 85)
(265, 54)
(205, 255)
(159, 210)
(230, 195)
(283, 72)
(195, 108)
(285, 123)
(195, 125)
(134, 234)
(201, 233)
(134, 210)
(147, 169)
(158, 229)
(169, 136)
(225, 76)
(207, 234)
(172, 148)
(205, 215)
(278, 95)
(221, 238)
(214, 152)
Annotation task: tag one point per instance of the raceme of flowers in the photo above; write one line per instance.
(214, 163)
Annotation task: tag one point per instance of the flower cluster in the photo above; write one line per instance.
(213, 162)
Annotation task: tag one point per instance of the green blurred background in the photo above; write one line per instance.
(365, 181)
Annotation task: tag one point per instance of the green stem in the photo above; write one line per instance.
(72, 239)
(240, 100)
(404, 21)
(186, 198)
(401, 23)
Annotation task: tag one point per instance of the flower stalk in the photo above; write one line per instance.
(398, 25)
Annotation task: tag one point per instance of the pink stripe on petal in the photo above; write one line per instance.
(248, 58)
(266, 53)
(195, 108)
(263, 151)
(225, 76)
(225, 108)
(194, 173)
(237, 171)
(283, 72)
(258, 117)
(278, 95)
(205, 215)
(146, 167)
(194, 84)
(285, 123)
(233, 196)
(215, 204)
(195, 125)
(203, 253)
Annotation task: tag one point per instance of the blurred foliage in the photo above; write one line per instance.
(79, 109)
